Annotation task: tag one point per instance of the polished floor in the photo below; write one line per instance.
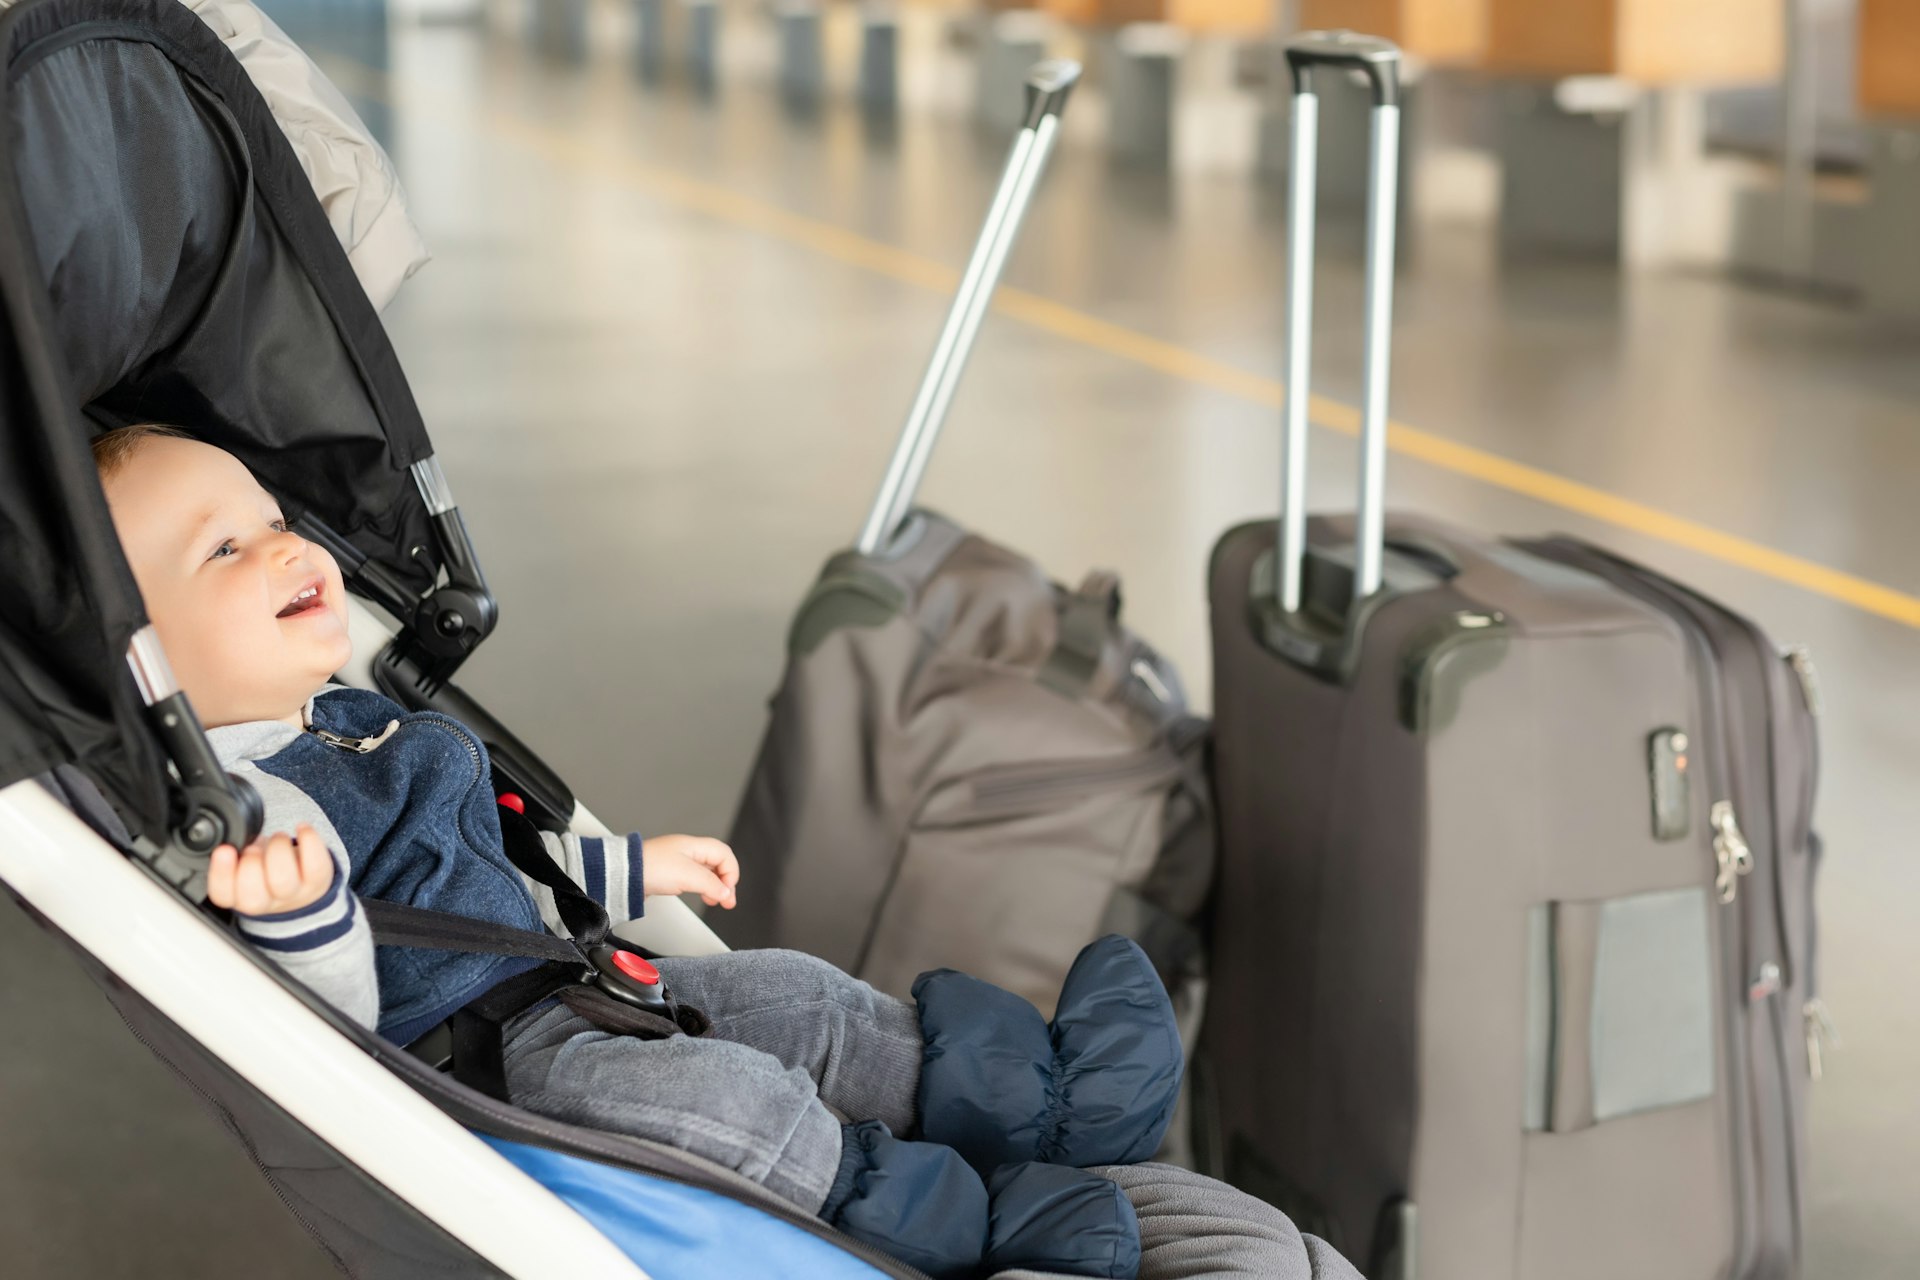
(663, 346)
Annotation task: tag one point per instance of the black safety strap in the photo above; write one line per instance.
(397, 925)
(601, 1009)
(472, 1036)
(470, 1041)
(585, 919)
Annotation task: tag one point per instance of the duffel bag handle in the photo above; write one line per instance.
(1047, 86)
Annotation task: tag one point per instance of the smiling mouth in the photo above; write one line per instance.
(306, 600)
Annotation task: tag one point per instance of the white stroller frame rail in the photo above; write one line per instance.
(155, 944)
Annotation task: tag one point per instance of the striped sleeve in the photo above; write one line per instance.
(609, 870)
(326, 944)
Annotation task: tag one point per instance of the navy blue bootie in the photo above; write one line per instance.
(1001, 1086)
(918, 1201)
(1056, 1219)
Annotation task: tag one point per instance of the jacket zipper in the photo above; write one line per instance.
(356, 745)
(361, 746)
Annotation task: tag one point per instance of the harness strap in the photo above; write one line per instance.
(397, 925)
(585, 919)
(473, 1046)
(603, 1011)
(470, 1042)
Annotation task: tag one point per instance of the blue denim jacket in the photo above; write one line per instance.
(416, 814)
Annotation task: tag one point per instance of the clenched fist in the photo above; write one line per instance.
(278, 873)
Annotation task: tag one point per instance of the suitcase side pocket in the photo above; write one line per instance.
(1625, 1022)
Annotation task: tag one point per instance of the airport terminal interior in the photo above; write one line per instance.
(688, 262)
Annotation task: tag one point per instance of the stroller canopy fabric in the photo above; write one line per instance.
(162, 258)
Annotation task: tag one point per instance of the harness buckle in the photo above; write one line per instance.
(631, 979)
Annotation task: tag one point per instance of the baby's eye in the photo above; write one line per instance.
(278, 526)
(224, 549)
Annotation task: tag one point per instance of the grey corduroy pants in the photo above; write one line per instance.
(797, 1047)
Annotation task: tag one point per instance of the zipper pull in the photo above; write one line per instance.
(1143, 672)
(1730, 850)
(1801, 660)
(356, 745)
(359, 746)
(1821, 1035)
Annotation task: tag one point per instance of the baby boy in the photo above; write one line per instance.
(958, 1132)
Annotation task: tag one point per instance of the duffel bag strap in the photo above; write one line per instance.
(1087, 616)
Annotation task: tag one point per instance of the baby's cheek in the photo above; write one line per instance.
(329, 567)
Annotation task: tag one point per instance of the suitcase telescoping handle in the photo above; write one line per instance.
(1379, 60)
(1047, 86)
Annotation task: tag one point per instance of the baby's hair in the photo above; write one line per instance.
(112, 450)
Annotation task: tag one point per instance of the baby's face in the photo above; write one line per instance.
(253, 617)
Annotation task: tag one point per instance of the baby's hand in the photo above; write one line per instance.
(279, 873)
(691, 864)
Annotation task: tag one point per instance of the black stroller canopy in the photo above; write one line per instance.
(163, 258)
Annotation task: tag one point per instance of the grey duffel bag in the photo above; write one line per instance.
(969, 766)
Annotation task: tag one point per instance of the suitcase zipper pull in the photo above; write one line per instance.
(1801, 661)
(1821, 1035)
(1730, 850)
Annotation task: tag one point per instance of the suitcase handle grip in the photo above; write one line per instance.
(1047, 86)
(1348, 51)
(1380, 61)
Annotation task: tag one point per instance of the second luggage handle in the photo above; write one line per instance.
(1380, 61)
(1047, 86)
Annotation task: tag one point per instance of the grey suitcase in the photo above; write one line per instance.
(1512, 951)
(967, 765)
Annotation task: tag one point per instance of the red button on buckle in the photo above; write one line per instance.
(637, 968)
(508, 800)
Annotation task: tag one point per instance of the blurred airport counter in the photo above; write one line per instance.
(1779, 143)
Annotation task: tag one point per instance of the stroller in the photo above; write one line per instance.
(162, 257)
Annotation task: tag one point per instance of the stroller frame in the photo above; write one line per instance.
(452, 1154)
(120, 884)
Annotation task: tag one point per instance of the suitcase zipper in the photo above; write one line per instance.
(1730, 851)
(1730, 846)
(1821, 1035)
(1801, 661)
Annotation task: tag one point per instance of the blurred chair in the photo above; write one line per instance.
(1888, 49)
(1601, 121)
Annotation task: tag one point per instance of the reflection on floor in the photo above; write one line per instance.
(662, 349)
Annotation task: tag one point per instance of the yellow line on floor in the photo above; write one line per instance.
(1175, 361)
